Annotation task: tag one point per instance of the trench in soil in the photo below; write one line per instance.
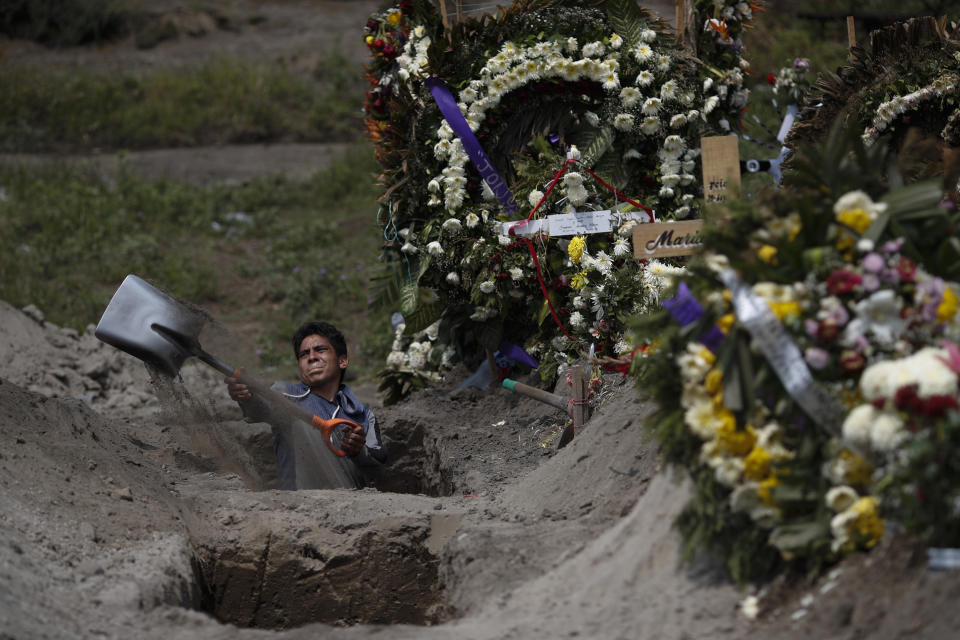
(283, 578)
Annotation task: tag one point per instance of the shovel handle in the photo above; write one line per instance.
(325, 427)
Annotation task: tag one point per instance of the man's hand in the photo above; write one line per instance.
(352, 440)
(238, 391)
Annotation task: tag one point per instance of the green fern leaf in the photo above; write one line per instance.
(626, 18)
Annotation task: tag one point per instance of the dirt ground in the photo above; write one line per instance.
(132, 506)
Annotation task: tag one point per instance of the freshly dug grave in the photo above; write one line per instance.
(132, 509)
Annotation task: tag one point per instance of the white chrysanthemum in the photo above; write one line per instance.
(702, 420)
(535, 197)
(856, 426)
(841, 498)
(578, 302)
(396, 359)
(576, 319)
(571, 45)
(472, 220)
(728, 471)
(663, 63)
(611, 81)
(651, 106)
(623, 121)
(516, 273)
(673, 146)
(408, 248)
(603, 263)
(453, 278)
(670, 180)
(644, 78)
(648, 35)
(643, 52)
(887, 432)
(621, 247)
(615, 41)
(651, 124)
(593, 49)
(711, 104)
(487, 286)
(452, 225)
(669, 90)
(433, 186)
(678, 121)
(629, 96)
(666, 192)
(592, 119)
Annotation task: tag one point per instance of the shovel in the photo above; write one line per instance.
(163, 332)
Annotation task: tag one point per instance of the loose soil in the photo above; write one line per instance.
(134, 506)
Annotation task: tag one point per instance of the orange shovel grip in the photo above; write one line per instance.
(326, 427)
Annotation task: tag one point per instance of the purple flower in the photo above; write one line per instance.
(930, 294)
(259, 352)
(343, 276)
(811, 326)
(296, 269)
(801, 64)
(323, 271)
(873, 262)
(816, 357)
(870, 282)
(893, 246)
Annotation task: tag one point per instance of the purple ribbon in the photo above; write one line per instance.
(451, 113)
(685, 310)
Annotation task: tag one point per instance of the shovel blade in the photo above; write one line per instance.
(131, 320)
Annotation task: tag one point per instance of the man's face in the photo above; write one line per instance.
(318, 362)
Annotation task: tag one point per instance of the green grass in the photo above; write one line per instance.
(222, 101)
(68, 237)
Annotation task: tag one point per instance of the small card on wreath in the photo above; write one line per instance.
(721, 167)
(666, 239)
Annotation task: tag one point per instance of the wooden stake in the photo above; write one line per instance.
(459, 4)
(443, 15)
(851, 32)
(579, 395)
(681, 18)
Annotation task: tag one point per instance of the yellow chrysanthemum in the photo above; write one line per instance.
(725, 322)
(756, 465)
(368, 39)
(785, 309)
(707, 356)
(948, 306)
(765, 488)
(857, 219)
(767, 253)
(579, 280)
(714, 381)
(857, 472)
(735, 441)
(868, 524)
(576, 248)
(395, 18)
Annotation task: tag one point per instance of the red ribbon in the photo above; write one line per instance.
(533, 250)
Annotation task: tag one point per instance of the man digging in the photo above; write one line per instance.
(303, 461)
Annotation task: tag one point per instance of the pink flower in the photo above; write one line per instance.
(817, 358)
(953, 356)
(873, 262)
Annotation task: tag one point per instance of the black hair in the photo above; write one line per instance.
(324, 329)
